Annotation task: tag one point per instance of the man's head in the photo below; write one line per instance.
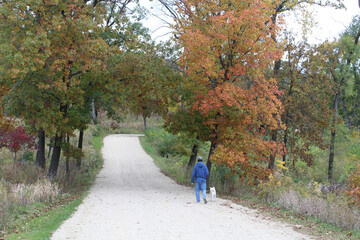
(200, 159)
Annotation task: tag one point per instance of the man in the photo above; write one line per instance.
(200, 172)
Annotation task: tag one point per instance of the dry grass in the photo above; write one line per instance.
(334, 208)
(24, 194)
(330, 208)
(13, 196)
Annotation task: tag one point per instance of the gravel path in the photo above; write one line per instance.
(132, 199)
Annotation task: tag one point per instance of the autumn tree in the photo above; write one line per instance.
(45, 46)
(227, 46)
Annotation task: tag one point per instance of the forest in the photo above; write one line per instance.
(273, 115)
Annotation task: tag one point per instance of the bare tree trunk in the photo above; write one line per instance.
(67, 163)
(55, 159)
(144, 123)
(192, 160)
(40, 154)
(285, 143)
(333, 135)
(80, 145)
(93, 111)
(209, 163)
(50, 147)
(272, 156)
(347, 119)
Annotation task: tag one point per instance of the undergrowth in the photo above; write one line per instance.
(25, 188)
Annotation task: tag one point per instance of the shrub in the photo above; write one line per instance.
(310, 201)
(354, 185)
(166, 144)
(17, 140)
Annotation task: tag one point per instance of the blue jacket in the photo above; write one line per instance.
(200, 172)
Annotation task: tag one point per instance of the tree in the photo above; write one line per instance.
(227, 47)
(17, 140)
(45, 45)
(342, 64)
(282, 7)
(306, 95)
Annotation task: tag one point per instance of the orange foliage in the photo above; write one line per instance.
(228, 45)
(354, 184)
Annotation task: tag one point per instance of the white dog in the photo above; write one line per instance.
(213, 194)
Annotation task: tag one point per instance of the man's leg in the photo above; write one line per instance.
(197, 191)
(203, 189)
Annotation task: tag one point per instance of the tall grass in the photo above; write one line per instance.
(14, 195)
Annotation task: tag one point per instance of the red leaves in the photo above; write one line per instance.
(17, 139)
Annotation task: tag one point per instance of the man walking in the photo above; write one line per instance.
(200, 172)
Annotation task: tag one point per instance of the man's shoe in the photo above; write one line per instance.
(205, 200)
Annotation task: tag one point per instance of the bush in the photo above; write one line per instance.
(166, 144)
(354, 185)
(310, 201)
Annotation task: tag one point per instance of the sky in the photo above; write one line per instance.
(331, 22)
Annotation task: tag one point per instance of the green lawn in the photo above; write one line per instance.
(44, 223)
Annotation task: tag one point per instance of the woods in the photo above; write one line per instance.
(233, 84)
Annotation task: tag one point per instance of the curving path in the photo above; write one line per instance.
(132, 199)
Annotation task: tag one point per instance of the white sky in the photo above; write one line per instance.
(331, 22)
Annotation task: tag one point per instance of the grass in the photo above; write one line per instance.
(166, 165)
(42, 222)
(98, 142)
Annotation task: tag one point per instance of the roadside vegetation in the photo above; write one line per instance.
(302, 196)
(31, 205)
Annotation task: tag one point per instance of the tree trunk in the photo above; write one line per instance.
(347, 119)
(192, 160)
(144, 123)
(50, 147)
(93, 111)
(40, 154)
(333, 135)
(209, 163)
(332, 153)
(272, 156)
(54, 164)
(67, 163)
(285, 143)
(80, 145)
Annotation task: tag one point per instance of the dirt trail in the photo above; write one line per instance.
(132, 199)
